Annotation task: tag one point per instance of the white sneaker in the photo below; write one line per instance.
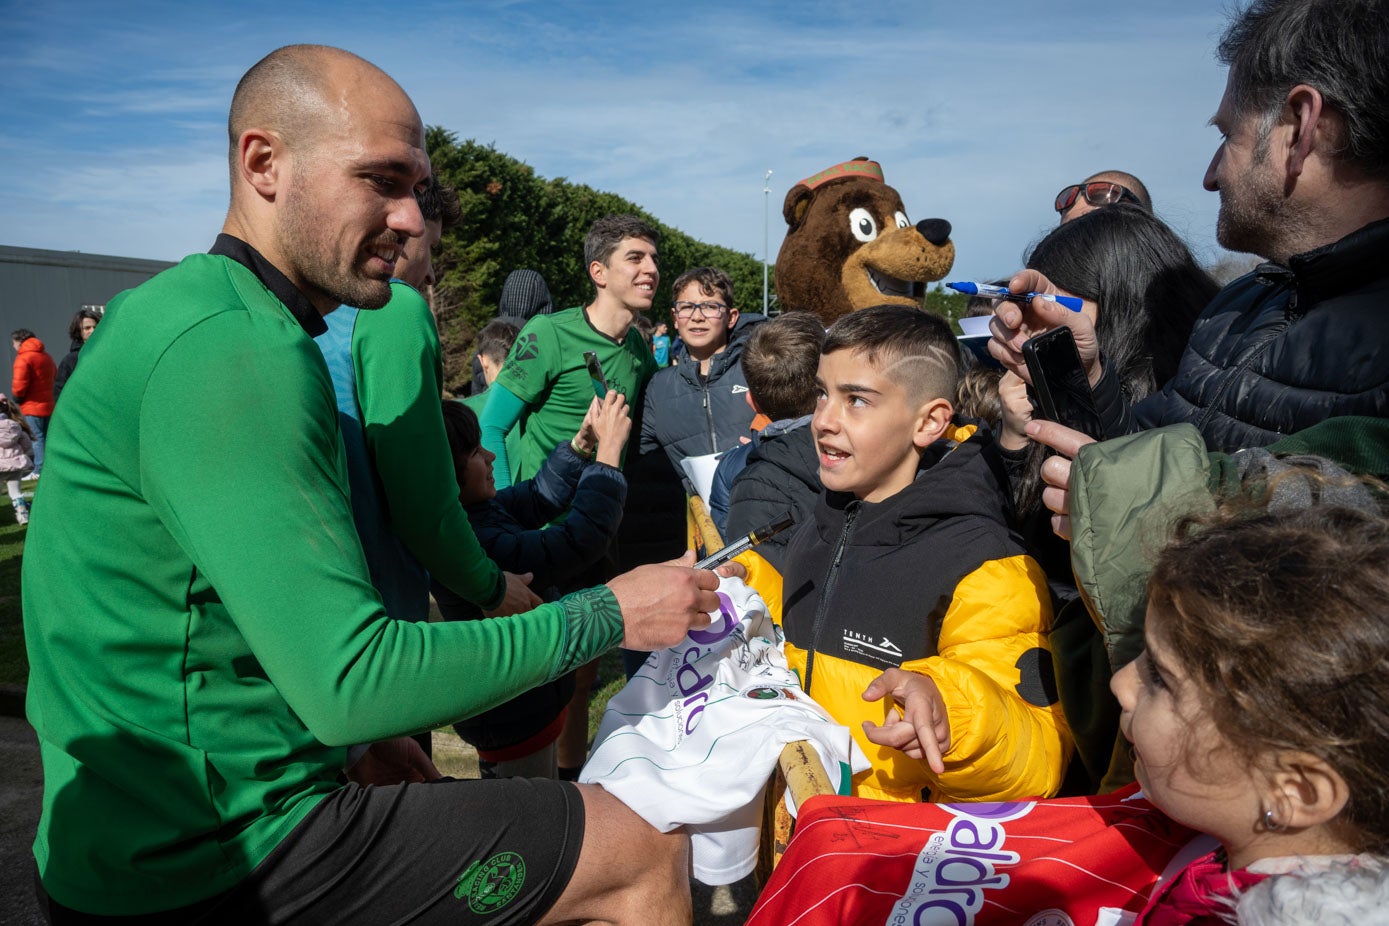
(21, 515)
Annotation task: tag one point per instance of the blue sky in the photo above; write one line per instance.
(112, 115)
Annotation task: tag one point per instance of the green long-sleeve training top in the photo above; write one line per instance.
(203, 636)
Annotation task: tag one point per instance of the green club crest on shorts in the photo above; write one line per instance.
(492, 884)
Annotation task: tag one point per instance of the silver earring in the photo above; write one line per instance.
(1270, 823)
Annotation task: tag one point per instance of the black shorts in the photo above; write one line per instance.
(456, 852)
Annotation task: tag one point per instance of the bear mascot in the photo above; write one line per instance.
(849, 245)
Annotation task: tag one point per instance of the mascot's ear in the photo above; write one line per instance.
(797, 202)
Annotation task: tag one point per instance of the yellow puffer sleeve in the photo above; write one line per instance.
(1008, 736)
(763, 579)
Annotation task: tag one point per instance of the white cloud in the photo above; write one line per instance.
(979, 114)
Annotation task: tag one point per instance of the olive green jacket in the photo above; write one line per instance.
(1126, 495)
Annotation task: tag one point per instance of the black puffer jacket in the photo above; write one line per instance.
(65, 368)
(1279, 350)
(783, 474)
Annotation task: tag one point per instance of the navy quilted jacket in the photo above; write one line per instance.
(1279, 350)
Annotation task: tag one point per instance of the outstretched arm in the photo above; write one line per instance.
(503, 410)
(396, 355)
(594, 494)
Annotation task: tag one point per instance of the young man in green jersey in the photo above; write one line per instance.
(195, 696)
(544, 389)
(544, 386)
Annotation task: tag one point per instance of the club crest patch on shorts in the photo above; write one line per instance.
(491, 885)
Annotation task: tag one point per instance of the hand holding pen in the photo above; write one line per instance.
(1014, 323)
(989, 291)
(742, 544)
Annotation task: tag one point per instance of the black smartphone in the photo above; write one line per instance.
(595, 373)
(1060, 389)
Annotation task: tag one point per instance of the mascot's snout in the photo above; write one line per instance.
(936, 231)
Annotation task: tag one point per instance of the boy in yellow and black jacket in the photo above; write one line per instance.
(911, 610)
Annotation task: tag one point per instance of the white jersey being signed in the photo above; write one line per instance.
(695, 735)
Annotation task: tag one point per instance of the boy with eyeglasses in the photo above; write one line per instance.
(699, 406)
(1106, 188)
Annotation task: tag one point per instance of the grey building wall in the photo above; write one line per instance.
(40, 290)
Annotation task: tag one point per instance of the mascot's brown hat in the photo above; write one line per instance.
(849, 245)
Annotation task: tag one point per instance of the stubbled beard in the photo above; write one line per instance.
(369, 293)
(365, 294)
(1244, 227)
(311, 253)
(1252, 214)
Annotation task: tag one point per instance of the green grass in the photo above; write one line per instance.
(609, 682)
(14, 665)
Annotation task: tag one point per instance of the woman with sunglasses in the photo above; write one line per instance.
(1107, 188)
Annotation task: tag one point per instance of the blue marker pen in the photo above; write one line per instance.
(1001, 292)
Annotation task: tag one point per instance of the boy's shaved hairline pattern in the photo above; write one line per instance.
(932, 375)
(891, 336)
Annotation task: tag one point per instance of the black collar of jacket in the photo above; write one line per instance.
(952, 481)
(309, 318)
(1340, 267)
